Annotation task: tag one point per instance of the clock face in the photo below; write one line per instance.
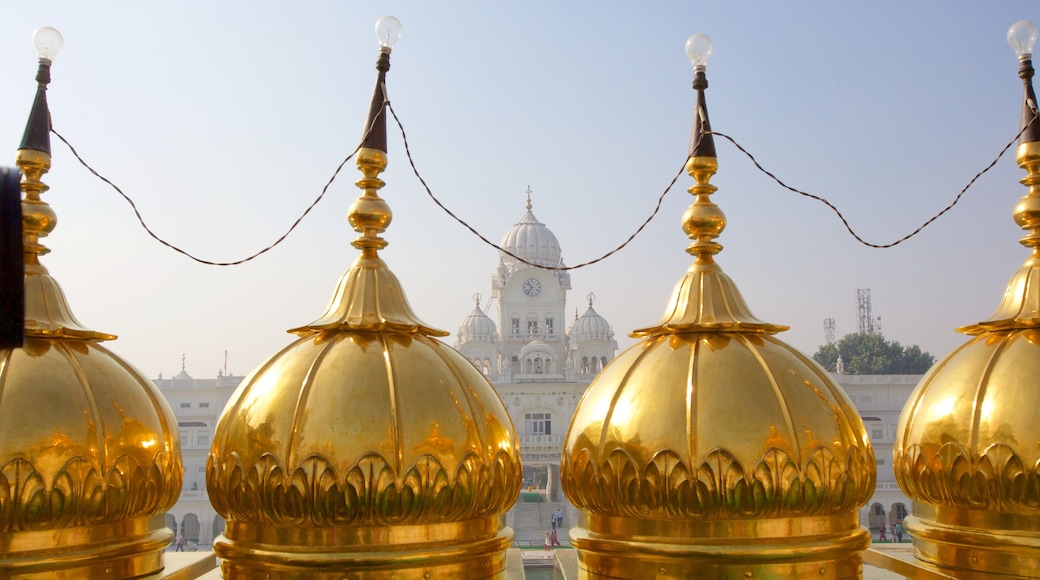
(532, 287)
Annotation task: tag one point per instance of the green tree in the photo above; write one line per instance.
(871, 354)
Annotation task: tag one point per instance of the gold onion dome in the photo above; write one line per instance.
(710, 448)
(89, 453)
(366, 448)
(967, 449)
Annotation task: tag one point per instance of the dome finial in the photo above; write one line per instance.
(591, 298)
(528, 205)
(47, 312)
(476, 298)
(1020, 306)
(369, 296)
(705, 299)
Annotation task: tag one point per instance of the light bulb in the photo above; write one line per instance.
(48, 42)
(1021, 37)
(388, 31)
(698, 49)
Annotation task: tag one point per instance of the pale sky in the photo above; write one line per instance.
(223, 121)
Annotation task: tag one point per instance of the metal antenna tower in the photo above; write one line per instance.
(868, 324)
(828, 330)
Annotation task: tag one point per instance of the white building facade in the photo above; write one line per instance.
(879, 400)
(197, 403)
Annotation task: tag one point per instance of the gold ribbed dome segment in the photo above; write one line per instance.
(377, 457)
(364, 451)
(717, 454)
(799, 452)
(1020, 306)
(705, 299)
(968, 436)
(369, 296)
(967, 454)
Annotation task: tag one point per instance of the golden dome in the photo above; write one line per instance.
(89, 452)
(967, 448)
(712, 449)
(366, 446)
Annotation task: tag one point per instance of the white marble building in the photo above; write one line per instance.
(197, 403)
(879, 400)
(539, 369)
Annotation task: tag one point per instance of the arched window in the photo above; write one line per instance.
(585, 364)
(602, 362)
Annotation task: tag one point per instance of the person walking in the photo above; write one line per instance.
(552, 520)
(545, 540)
(881, 536)
(897, 529)
(180, 543)
(559, 517)
(553, 539)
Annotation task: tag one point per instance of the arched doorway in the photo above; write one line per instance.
(218, 526)
(190, 527)
(899, 512)
(877, 517)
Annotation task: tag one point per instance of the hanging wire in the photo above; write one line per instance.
(845, 222)
(642, 226)
(463, 223)
(177, 249)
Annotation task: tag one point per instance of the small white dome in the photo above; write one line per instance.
(478, 326)
(531, 240)
(590, 326)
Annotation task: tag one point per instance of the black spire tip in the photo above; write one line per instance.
(1030, 124)
(374, 136)
(37, 134)
(702, 142)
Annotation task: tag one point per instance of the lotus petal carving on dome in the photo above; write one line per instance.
(370, 492)
(81, 493)
(720, 487)
(997, 479)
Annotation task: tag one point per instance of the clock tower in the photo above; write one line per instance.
(538, 365)
(532, 301)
